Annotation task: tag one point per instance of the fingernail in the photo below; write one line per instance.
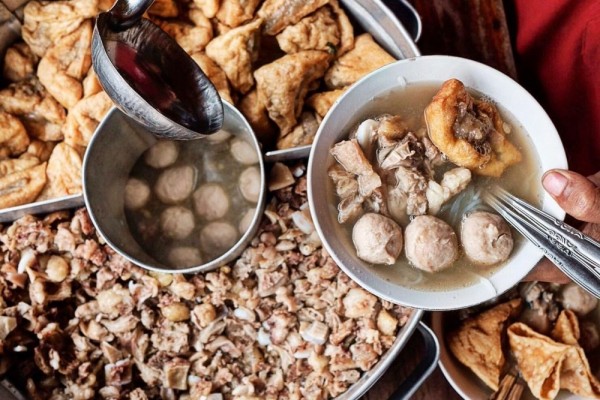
(555, 183)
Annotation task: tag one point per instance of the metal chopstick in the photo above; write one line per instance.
(575, 253)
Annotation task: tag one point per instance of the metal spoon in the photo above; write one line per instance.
(150, 77)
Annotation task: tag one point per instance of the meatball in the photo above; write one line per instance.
(181, 257)
(246, 220)
(219, 137)
(211, 201)
(177, 222)
(486, 238)
(577, 299)
(162, 154)
(243, 152)
(431, 243)
(218, 237)
(378, 239)
(175, 184)
(137, 194)
(250, 184)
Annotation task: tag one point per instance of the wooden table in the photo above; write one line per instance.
(475, 29)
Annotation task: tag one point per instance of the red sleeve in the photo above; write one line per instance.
(558, 57)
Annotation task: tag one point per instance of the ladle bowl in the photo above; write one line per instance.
(150, 77)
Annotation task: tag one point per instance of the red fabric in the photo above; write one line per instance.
(558, 57)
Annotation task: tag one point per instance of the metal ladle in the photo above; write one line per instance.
(150, 77)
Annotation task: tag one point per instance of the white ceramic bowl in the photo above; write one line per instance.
(352, 108)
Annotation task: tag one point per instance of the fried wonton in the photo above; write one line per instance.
(281, 13)
(322, 102)
(83, 119)
(283, 84)
(41, 150)
(214, 73)
(192, 37)
(41, 114)
(13, 136)
(234, 13)
(566, 328)
(235, 51)
(317, 31)
(477, 343)
(22, 187)
(64, 65)
(548, 366)
(208, 7)
(365, 57)
(63, 172)
(302, 134)
(469, 131)
(45, 22)
(19, 62)
(258, 117)
(12, 165)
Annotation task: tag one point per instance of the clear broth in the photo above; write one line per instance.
(522, 180)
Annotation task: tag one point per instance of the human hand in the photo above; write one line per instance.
(578, 196)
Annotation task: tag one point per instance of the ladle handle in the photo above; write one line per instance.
(126, 13)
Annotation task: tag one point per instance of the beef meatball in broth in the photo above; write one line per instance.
(250, 184)
(181, 257)
(243, 152)
(177, 222)
(218, 237)
(377, 239)
(162, 154)
(211, 201)
(175, 184)
(577, 299)
(137, 194)
(246, 220)
(486, 238)
(430, 244)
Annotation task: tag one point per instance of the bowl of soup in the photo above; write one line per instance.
(175, 206)
(398, 169)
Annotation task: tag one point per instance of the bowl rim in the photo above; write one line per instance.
(396, 73)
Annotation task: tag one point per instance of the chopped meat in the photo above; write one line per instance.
(351, 157)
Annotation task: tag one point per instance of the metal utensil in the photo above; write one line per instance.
(576, 254)
(150, 77)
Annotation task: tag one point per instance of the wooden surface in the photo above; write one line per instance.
(474, 29)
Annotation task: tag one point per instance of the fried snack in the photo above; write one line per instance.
(345, 27)
(208, 7)
(19, 62)
(64, 172)
(164, 9)
(317, 31)
(41, 114)
(281, 13)
(192, 37)
(322, 102)
(477, 343)
(548, 366)
(22, 187)
(235, 51)
(234, 13)
(282, 85)
(91, 84)
(64, 65)
(13, 136)
(41, 150)
(258, 117)
(365, 57)
(566, 328)
(12, 165)
(302, 134)
(215, 74)
(83, 119)
(45, 22)
(469, 131)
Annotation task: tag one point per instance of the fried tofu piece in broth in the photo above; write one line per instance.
(13, 135)
(281, 13)
(83, 119)
(64, 65)
(365, 57)
(322, 102)
(235, 51)
(41, 114)
(215, 74)
(19, 62)
(283, 84)
(45, 22)
(22, 187)
(234, 13)
(63, 172)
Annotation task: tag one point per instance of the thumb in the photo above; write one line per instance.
(576, 194)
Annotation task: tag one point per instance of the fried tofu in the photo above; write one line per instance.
(22, 187)
(19, 62)
(234, 13)
(279, 14)
(302, 134)
(322, 102)
(63, 172)
(83, 119)
(317, 31)
(257, 115)
(192, 37)
(13, 136)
